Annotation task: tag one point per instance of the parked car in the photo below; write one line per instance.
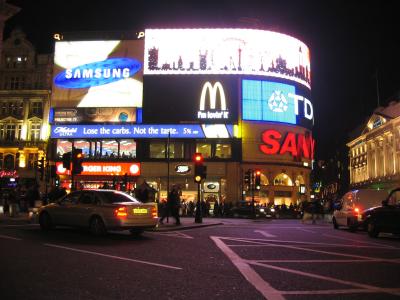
(244, 209)
(99, 211)
(384, 218)
(348, 210)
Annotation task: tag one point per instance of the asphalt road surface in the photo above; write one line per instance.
(242, 259)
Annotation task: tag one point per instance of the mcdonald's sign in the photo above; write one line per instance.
(214, 92)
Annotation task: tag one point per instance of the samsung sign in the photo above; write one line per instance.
(274, 101)
(131, 131)
(97, 73)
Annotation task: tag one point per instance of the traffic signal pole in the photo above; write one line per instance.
(198, 216)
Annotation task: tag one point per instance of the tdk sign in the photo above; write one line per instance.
(97, 73)
(273, 101)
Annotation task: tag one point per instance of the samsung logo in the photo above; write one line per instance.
(97, 73)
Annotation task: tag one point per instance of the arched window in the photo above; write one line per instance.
(283, 179)
(299, 180)
(264, 179)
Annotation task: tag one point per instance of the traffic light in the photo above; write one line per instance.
(66, 159)
(40, 167)
(200, 171)
(257, 180)
(247, 177)
(77, 160)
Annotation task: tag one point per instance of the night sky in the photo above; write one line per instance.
(350, 42)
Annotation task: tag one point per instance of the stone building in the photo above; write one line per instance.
(25, 88)
(374, 154)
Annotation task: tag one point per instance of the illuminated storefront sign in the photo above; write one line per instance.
(134, 131)
(210, 99)
(213, 91)
(103, 168)
(182, 169)
(275, 102)
(98, 74)
(226, 51)
(298, 145)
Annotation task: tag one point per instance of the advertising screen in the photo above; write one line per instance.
(92, 115)
(276, 101)
(209, 99)
(142, 131)
(226, 51)
(98, 74)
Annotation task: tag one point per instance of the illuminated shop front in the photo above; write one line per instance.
(241, 97)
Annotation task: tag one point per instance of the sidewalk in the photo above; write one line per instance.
(186, 222)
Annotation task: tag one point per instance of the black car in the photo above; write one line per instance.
(244, 209)
(384, 218)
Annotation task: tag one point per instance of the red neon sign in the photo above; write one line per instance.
(298, 145)
(104, 168)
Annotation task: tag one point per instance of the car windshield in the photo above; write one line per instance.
(115, 197)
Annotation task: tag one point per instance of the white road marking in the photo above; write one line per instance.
(173, 234)
(312, 250)
(18, 225)
(305, 230)
(314, 243)
(10, 238)
(358, 241)
(264, 233)
(251, 276)
(346, 282)
(113, 256)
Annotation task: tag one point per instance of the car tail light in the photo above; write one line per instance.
(121, 212)
(356, 210)
(154, 214)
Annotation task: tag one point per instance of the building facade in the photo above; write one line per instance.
(375, 154)
(25, 88)
(140, 108)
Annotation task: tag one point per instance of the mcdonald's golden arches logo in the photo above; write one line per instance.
(213, 91)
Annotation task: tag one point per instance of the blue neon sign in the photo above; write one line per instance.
(97, 73)
(128, 131)
(268, 101)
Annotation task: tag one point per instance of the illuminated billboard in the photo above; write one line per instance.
(226, 51)
(142, 131)
(103, 168)
(92, 115)
(205, 99)
(269, 100)
(98, 74)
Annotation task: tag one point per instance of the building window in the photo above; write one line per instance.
(283, 179)
(176, 150)
(63, 146)
(10, 130)
(37, 108)
(223, 151)
(157, 149)
(17, 83)
(204, 148)
(127, 148)
(109, 148)
(32, 158)
(35, 131)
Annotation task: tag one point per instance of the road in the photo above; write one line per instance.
(241, 259)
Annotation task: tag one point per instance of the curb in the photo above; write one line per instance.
(183, 227)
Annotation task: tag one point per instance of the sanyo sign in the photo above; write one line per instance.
(212, 112)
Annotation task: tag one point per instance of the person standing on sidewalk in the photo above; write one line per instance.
(173, 204)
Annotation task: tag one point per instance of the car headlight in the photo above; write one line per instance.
(261, 209)
(272, 209)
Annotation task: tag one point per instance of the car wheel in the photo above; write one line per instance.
(373, 230)
(45, 221)
(335, 224)
(97, 226)
(136, 232)
(352, 225)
